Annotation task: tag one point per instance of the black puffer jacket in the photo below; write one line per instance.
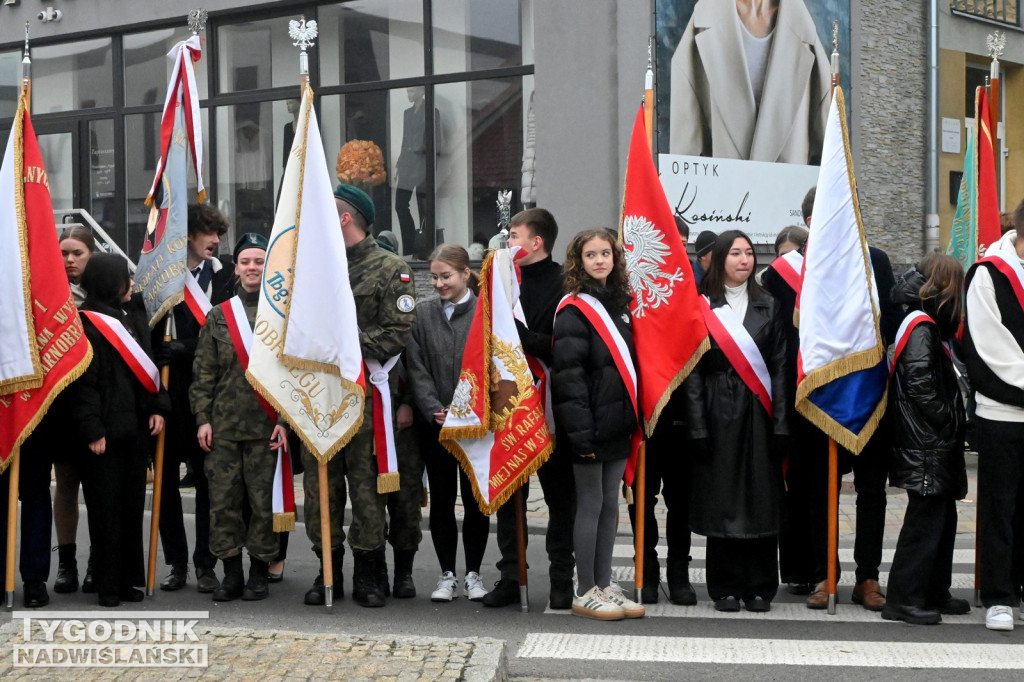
(926, 415)
(109, 401)
(593, 410)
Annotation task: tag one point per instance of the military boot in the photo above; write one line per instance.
(316, 595)
(404, 586)
(233, 585)
(257, 588)
(383, 585)
(67, 569)
(365, 590)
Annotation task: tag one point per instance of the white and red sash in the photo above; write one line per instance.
(603, 324)
(908, 325)
(739, 348)
(241, 340)
(790, 267)
(196, 300)
(128, 348)
(383, 425)
(1010, 266)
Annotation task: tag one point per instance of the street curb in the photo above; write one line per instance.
(489, 662)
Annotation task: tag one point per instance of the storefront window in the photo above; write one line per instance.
(370, 40)
(147, 68)
(256, 55)
(10, 82)
(475, 35)
(101, 188)
(71, 76)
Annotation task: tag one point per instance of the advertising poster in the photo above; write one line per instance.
(743, 94)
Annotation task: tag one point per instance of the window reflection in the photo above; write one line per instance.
(256, 55)
(10, 82)
(100, 197)
(70, 76)
(147, 68)
(370, 40)
(473, 35)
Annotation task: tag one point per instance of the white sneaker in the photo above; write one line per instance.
(474, 586)
(999, 618)
(594, 604)
(629, 607)
(446, 588)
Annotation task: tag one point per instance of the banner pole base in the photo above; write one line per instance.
(977, 598)
(149, 592)
(637, 596)
(831, 604)
(328, 596)
(524, 598)
(9, 600)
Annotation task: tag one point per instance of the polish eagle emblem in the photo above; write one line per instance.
(646, 252)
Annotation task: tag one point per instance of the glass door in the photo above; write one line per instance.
(57, 143)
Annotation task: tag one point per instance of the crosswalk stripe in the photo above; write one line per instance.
(698, 575)
(845, 613)
(698, 553)
(564, 646)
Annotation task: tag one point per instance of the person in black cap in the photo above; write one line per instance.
(385, 299)
(702, 250)
(233, 430)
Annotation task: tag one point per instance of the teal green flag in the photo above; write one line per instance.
(963, 238)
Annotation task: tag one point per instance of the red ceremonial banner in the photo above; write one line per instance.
(988, 194)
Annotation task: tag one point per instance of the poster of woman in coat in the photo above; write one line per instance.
(743, 86)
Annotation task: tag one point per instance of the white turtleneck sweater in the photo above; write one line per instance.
(737, 299)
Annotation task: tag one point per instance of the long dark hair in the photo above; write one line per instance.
(576, 276)
(713, 284)
(106, 279)
(79, 233)
(942, 294)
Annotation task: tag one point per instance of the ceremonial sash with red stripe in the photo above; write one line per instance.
(603, 324)
(383, 426)
(790, 267)
(284, 492)
(739, 348)
(911, 321)
(128, 348)
(196, 300)
(1010, 266)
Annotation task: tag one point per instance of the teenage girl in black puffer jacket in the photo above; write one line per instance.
(927, 420)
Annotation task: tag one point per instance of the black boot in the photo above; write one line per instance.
(233, 585)
(404, 586)
(315, 594)
(680, 591)
(652, 578)
(88, 586)
(67, 570)
(365, 590)
(561, 593)
(381, 570)
(257, 588)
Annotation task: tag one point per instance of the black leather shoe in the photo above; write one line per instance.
(233, 585)
(175, 580)
(365, 578)
(130, 594)
(758, 605)
(800, 589)
(257, 588)
(680, 591)
(109, 600)
(206, 580)
(34, 593)
(954, 607)
(727, 605)
(649, 592)
(560, 597)
(88, 585)
(910, 614)
(505, 592)
(67, 578)
(315, 594)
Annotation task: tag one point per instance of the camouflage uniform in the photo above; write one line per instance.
(240, 464)
(385, 298)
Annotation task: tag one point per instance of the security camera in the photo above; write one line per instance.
(49, 14)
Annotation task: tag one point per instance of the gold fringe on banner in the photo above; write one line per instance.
(284, 522)
(652, 421)
(388, 483)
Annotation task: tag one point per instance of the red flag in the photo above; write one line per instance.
(988, 194)
(668, 327)
(53, 337)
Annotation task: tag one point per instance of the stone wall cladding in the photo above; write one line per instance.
(891, 99)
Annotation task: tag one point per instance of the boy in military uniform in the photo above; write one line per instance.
(233, 429)
(384, 296)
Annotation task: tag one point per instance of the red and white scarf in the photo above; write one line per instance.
(603, 324)
(284, 492)
(128, 348)
(908, 325)
(196, 299)
(383, 425)
(790, 267)
(739, 348)
(1008, 264)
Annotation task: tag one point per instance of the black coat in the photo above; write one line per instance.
(737, 479)
(593, 410)
(926, 419)
(109, 400)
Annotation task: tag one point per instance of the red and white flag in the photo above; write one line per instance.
(42, 343)
(665, 302)
(496, 426)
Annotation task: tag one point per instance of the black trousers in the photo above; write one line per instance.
(559, 486)
(922, 569)
(406, 222)
(796, 547)
(668, 470)
(445, 476)
(36, 509)
(1000, 516)
(870, 474)
(181, 446)
(114, 484)
(742, 568)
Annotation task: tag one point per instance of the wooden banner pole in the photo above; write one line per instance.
(833, 522)
(158, 479)
(524, 592)
(326, 553)
(639, 512)
(14, 470)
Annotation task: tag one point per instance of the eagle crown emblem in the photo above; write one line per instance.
(646, 252)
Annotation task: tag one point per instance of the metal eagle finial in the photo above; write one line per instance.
(835, 37)
(996, 42)
(197, 20)
(302, 32)
(26, 40)
(504, 209)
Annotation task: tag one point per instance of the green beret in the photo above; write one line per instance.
(358, 199)
(249, 240)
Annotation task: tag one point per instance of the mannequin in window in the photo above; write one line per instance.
(411, 170)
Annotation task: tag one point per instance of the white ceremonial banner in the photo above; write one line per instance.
(757, 197)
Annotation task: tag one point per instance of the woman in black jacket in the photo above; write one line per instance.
(927, 421)
(113, 412)
(594, 411)
(736, 442)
